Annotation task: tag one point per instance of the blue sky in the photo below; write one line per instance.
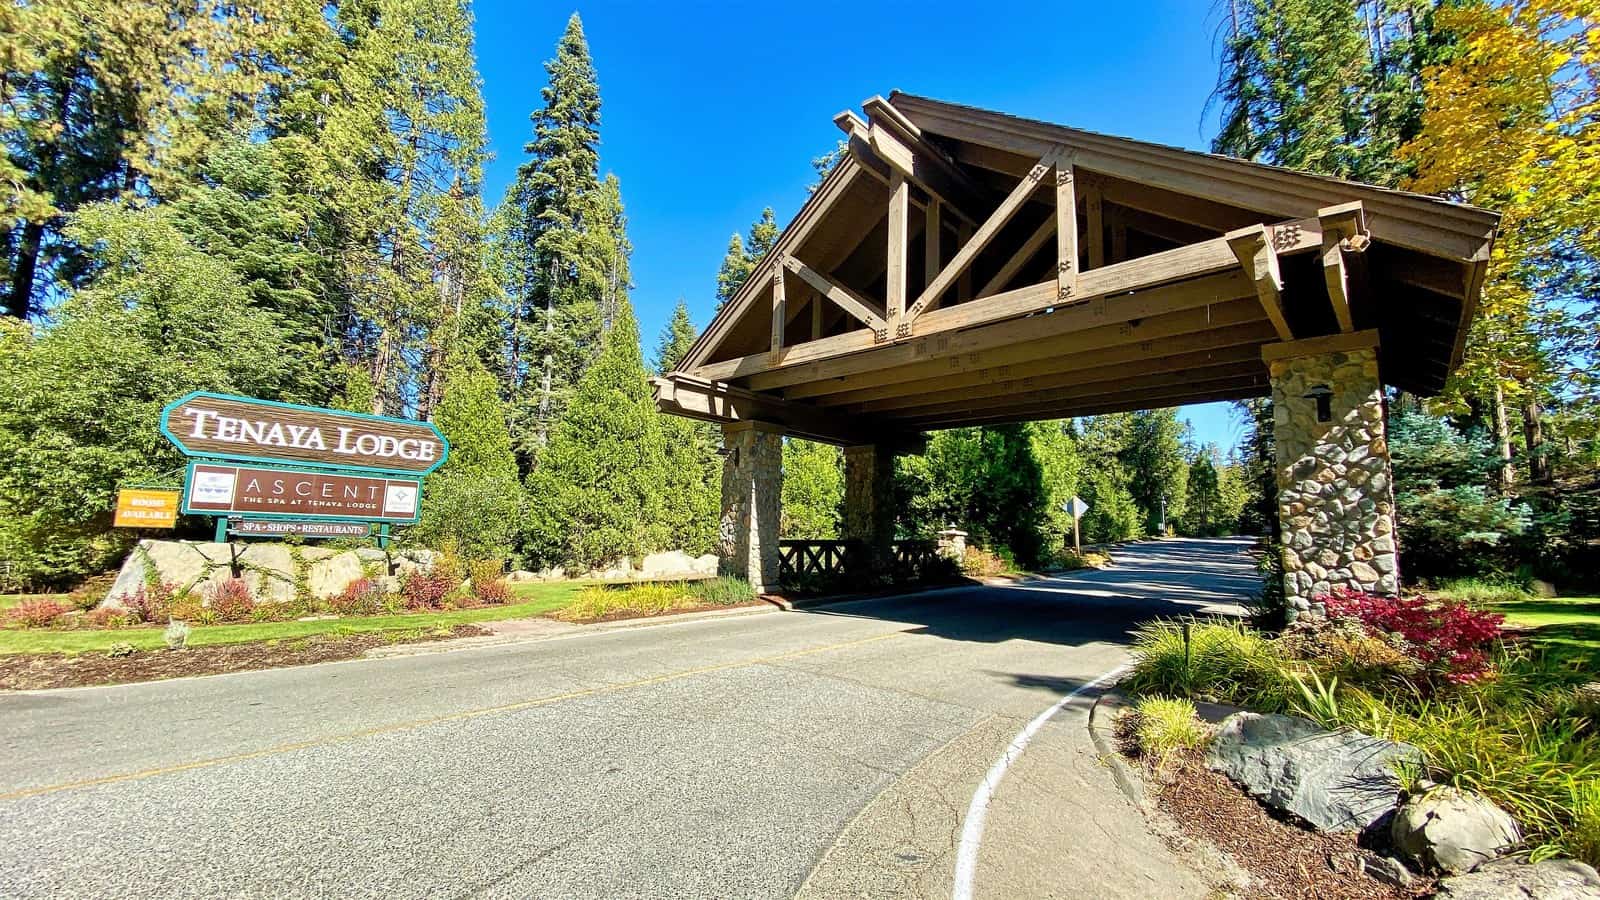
(714, 111)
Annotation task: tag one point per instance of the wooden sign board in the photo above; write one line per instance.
(216, 489)
(146, 508)
(301, 527)
(219, 426)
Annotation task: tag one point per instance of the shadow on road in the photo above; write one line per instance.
(1158, 579)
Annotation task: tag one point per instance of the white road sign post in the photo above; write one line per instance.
(1075, 508)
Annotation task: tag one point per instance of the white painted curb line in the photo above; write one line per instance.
(978, 810)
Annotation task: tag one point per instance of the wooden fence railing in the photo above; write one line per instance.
(804, 559)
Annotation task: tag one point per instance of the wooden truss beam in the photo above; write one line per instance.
(1234, 388)
(1066, 229)
(1124, 318)
(895, 273)
(886, 150)
(1260, 260)
(1019, 259)
(981, 238)
(1247, 356)
(1182, 264)
(1116, 383)
(1214, 328)
(1343, 229)
(848, 300)
(780, 310)
(684, 395)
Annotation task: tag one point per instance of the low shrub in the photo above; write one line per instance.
(1344, 649)
(1165, 727)
(1582, 840)
(486, 570)
(1209, 659)
(38, 613)
(979, 562)
(110, 617)
(176, 635)
(152, 602)
(1449, 640)
(230, 600)
(427, 590)
(361, 597)
(121, 649)
(491, 593)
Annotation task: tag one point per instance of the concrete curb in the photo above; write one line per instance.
(1103, 715)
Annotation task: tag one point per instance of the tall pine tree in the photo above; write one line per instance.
(562, 250)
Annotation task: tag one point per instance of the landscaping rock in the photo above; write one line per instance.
(1334, 780)
(676, 564)
(1447, 830)
(1553, 879)
(267, 566)
(1388, 870)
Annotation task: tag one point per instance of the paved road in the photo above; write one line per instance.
(754, 756)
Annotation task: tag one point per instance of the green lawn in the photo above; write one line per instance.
(1565, 627)
(534, 600)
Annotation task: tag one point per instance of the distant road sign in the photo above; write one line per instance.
(219, 426)
(1076, 507)
(146, 508)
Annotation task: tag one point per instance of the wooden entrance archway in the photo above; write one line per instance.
(966, 267)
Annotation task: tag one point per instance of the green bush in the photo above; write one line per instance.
(1481, 591)
(1210, 659)
(1166, 726)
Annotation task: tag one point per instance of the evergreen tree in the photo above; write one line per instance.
(80, 401)
(1259, 468)
(1153, 457)
(676, 338)
(1113, 515)
(597, 494)
(1326, 87)
(743, 256)
(473, 503)
(1204, 516)
(813, 489)
(562, 249)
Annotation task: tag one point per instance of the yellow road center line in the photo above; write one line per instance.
(433, 720)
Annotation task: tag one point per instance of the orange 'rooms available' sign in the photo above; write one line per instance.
(225, 490)
(144, 508)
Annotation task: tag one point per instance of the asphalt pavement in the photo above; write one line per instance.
(831, 752)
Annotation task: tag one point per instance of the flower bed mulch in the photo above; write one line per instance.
(1286, 862)
(35, 671)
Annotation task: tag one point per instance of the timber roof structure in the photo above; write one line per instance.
(967, 267)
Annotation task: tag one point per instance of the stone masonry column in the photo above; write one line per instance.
(869, 503)
(1335, 498)
(752, 501)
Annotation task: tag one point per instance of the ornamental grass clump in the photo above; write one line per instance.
(1165, 727)
(1209, 659)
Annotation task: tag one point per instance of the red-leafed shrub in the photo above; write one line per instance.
(38, 613)
(492, 593)
(151, 602)
(110, 617)
(361, 597)
(426, 590)
(1448, 639)
(231, 600)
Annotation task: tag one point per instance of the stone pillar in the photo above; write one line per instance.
(752, 501)
(1335, 499)
(869, 504)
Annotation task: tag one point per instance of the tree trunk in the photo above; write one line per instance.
(1502, 439)
(1533, 434)
(19, 300)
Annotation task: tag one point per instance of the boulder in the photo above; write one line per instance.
(676, 564)
(1447, 830)
(1335, 780)
(1508, 879)
(1388, 870)
(267, 566)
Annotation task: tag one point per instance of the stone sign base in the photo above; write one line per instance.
(274, 571)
